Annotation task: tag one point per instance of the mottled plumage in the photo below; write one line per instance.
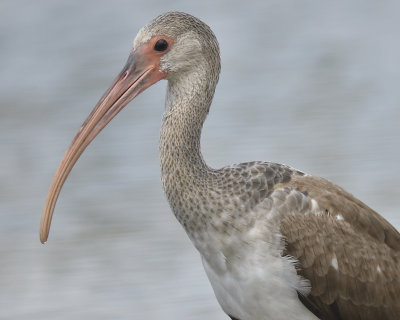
(350, 254)
(276, 243)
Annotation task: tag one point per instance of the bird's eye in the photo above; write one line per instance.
(161, 45)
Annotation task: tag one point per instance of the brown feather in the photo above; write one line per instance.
(352, 263)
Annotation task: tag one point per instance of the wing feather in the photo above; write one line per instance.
(352, 263)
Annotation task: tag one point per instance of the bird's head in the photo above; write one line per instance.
(178, 42)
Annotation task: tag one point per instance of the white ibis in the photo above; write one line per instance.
(276, 243)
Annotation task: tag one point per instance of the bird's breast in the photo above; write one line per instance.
(252, 280)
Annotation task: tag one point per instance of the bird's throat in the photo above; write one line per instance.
(183, 120)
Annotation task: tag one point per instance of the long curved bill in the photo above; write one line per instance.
(140, 72)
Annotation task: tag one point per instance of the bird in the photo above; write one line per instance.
(275, 242)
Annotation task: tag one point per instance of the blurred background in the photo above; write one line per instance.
(313, 84)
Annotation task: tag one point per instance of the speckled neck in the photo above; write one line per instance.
(185, 176)
(188, 100)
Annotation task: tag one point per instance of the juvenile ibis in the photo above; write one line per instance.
(276, 243)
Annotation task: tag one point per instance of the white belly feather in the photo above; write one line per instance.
(255, 289)
(250, 278)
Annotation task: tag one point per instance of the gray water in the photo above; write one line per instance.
(314, 84)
